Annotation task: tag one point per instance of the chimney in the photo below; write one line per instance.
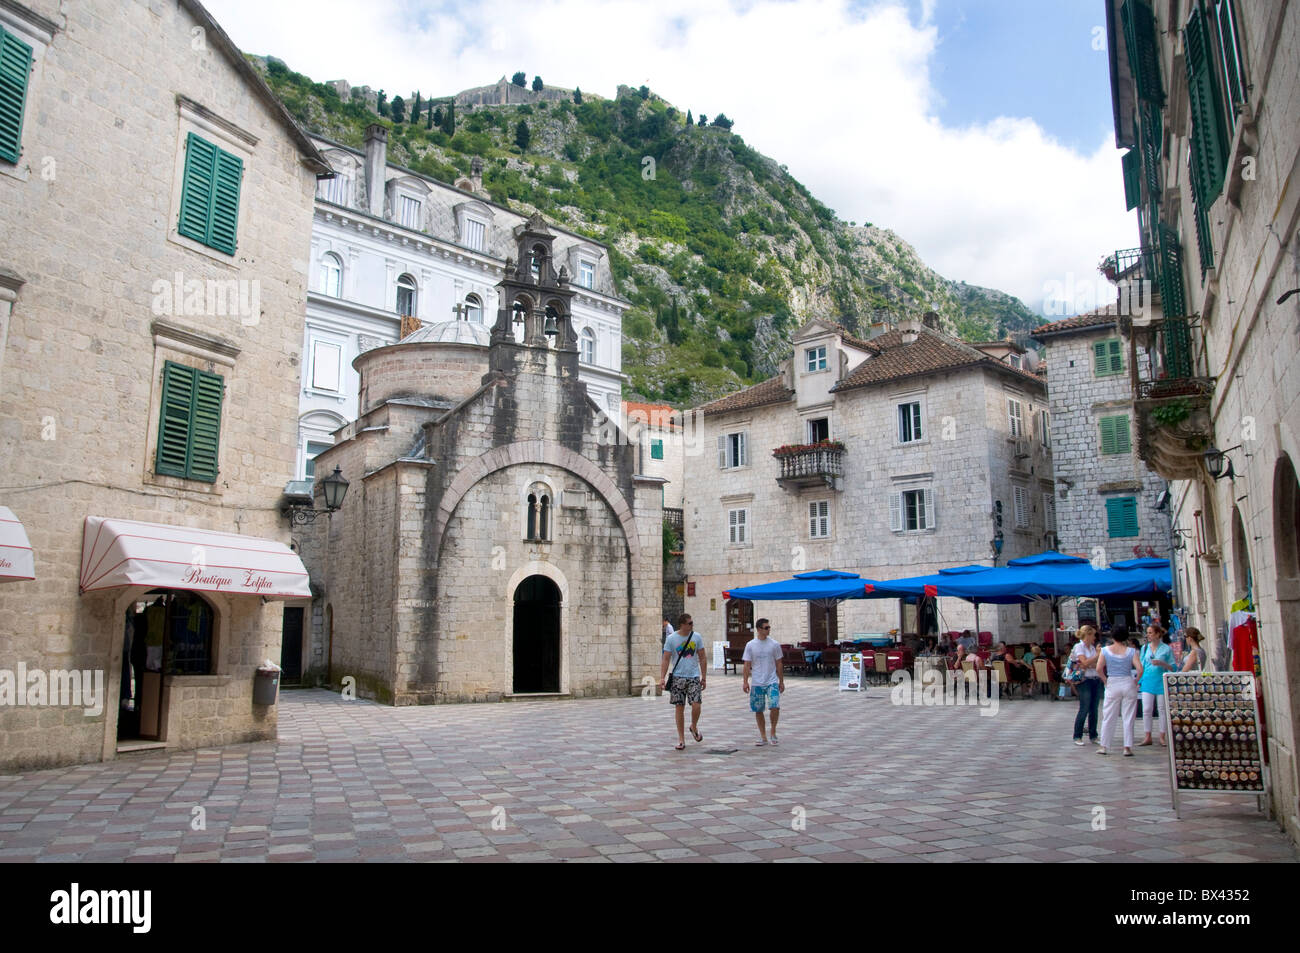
(911, 328)
(931, 320)
(376, 164)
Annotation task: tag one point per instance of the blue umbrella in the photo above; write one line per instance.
(825, 587)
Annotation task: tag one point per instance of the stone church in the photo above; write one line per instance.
(497, 539)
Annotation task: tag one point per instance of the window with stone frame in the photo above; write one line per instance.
(586, 274)
(909, 422)
(1020, 506)
(738, 533)
(819, 519)
(538, 518)
(815, 358)
(475, 234)
(1015, 417)
(911, 511)
(409, 212)
(331, 275)
(732, 451)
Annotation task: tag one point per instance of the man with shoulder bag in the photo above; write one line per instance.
(683, 650)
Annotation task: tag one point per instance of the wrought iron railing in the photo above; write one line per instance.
(673, 517)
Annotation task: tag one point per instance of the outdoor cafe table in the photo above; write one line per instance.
(813, 659)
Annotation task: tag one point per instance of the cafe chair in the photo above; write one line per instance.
(1043, 677)
(732, 658)
(881, 666)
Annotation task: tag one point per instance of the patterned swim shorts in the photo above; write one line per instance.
(685, 690)
(764, 696)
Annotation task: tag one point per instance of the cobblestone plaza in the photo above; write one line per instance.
(855, 779)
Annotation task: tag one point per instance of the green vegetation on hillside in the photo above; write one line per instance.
(721, 253)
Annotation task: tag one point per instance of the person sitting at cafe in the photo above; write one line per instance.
(1017, 670)
(967, 641)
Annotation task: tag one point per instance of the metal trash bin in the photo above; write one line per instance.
(266, 684)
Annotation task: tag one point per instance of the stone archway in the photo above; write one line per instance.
(536, 636)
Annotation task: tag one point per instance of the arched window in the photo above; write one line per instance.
(474, 308)
(331, 274)
(538, 523)
(588, 346)
(406, 291)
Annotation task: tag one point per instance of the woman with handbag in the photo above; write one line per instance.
(1082, 673)
(1115, 666)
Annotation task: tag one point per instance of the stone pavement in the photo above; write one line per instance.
(855, 778)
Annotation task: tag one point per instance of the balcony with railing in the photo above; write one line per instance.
(809, 465)
(1172, 394)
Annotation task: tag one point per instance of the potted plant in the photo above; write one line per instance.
(1108, 267)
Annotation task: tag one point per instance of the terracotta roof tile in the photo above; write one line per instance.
(929, 353)
(770, 391)
(1078, 322)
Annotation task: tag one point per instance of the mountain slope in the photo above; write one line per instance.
(720, 251)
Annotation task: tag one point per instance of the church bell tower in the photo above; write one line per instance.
(533, 295)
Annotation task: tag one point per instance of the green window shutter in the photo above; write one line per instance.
(1143, 55)
(189, 423)
(1116, 356)
(1178, 348)
(1122, 444)
(656, 449)
(15, 69)
(205, 430)
(1121, 517)
(1208, 143)
(1107, 435)
(210, 195)
(1100, 360)
(1231, 53)
(225, 202)
(1169, 268)
(174, 420)
(1132, 163)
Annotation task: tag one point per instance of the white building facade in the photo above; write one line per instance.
(389, 244)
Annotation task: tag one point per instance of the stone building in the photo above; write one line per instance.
(389, 245)
(498, 539)
(658, 431)
(888, 457)
(1106, 496)
(155, 207)
(1205, 98)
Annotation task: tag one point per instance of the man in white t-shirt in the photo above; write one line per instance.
(763, 665)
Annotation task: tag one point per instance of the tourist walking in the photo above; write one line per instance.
(1116, 666)
(1157, 658)
(763, 665)
(1084, 657)
(686, 681)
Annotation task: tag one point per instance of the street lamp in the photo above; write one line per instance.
(334, 489)
(1215, 460)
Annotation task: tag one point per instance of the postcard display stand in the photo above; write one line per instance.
(1214, 743)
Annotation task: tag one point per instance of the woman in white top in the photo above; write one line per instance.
(1116, 666)
(1084, 657)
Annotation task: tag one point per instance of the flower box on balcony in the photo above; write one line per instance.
(790, 450)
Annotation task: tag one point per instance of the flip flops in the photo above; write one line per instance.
(680, 747)
(696, 735)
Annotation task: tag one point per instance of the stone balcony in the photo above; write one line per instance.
(1172, 394)
(811, 465)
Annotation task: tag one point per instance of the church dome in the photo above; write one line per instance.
(450, 332)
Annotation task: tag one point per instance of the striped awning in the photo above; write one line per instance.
(17, 562)
(117, 552)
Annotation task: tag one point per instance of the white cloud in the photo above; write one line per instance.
(841, 94)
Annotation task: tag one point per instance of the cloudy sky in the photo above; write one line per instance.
(978, 130)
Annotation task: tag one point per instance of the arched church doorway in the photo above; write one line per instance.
(537, 636)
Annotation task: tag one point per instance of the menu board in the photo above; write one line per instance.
(850, 671)
(719, 659)
(1214, 739)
